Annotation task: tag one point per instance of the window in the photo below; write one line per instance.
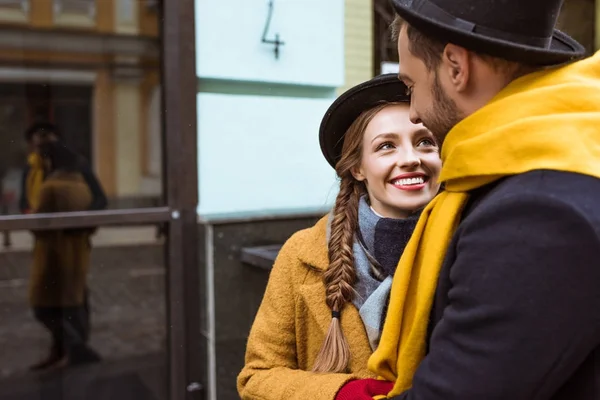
(153, 4)
(385, 52)
(14, 4)
(75, 12)
(14, 10)
(144, 291)
(76, 7)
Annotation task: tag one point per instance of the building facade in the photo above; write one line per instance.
(92, 68)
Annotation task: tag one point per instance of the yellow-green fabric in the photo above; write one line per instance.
(34, 179)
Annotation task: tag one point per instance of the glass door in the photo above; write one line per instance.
(99, 293)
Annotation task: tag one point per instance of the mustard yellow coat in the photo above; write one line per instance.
(61, 257)
(291, 324)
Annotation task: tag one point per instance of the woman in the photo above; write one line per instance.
(33, 174)
(325, 302)
(61, 259)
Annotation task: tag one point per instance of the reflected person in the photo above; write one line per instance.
(34, 172)
(61, 260)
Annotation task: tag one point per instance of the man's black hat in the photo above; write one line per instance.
(515, 30)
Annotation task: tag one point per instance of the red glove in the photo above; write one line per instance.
(364, 389)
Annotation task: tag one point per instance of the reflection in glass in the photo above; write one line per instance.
(82, 310)
(58, 279)
(49, 163)
(113, 321)
(93, 76)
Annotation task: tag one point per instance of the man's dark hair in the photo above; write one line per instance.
(430, 50)
(426, 48)
(42, 127)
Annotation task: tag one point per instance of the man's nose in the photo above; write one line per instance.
(413, 115)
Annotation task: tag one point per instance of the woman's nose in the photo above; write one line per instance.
(409, 159)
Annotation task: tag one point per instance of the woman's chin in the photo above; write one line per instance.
(412, 205)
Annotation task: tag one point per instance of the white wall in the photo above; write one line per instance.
(228, 41)
(258, 149)
(261, 153)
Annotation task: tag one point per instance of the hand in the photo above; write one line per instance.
(364, 389)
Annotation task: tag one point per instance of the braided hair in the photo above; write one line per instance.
(340, 276)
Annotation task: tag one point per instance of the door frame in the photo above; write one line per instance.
(180, 194)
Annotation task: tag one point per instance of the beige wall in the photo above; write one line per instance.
(103, 139)
(358, 42)
(121, 144)
(127, 129)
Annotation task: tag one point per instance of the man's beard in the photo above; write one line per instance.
(444, 113)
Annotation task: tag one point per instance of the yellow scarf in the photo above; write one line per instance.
(35, 177)
(546, 120)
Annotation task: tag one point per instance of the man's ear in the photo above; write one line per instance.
(456, 62)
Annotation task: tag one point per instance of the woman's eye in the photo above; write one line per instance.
(385, 146)
(427, 142)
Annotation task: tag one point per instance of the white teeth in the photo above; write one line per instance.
(409, 181)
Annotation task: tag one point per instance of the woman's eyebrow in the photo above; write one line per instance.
(388, 135)
(422, 130)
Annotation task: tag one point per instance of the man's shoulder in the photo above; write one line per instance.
(553, 182)
(546, 188)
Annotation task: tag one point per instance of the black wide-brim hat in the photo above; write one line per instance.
(346, 108)
(515, 30)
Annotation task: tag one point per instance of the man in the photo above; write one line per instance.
(497, 295)
(33, 174)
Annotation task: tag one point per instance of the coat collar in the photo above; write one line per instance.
(314, 250)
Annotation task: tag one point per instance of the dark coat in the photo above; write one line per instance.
(516, 314)
(61, 257)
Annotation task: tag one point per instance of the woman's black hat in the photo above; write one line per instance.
(346, 108)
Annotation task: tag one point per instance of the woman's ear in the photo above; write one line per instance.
(357, 174)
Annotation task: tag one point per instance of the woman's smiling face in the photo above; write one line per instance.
(400, 163)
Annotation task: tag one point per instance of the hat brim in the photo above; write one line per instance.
(562, 49)
(346, 108)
